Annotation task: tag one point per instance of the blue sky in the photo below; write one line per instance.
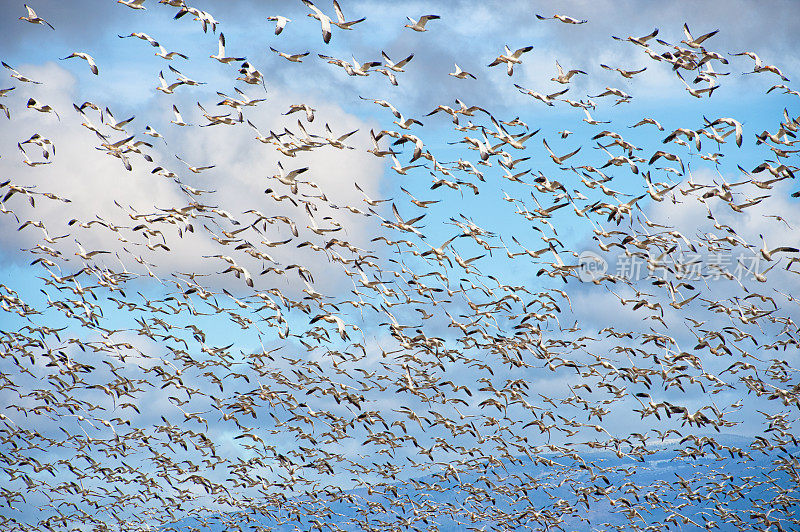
(351, 327)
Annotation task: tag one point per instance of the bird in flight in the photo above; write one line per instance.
(419, 25)
(86, 57)
(33, 18)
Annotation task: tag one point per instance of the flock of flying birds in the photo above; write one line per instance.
(452, 376)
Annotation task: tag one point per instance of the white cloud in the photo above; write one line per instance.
(452, 328)
(95, 181)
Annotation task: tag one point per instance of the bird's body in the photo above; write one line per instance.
(295, 58)
(280, 23)
(563, 18)
(220, 55)
(461, 74)
(511, 58)
(178, 121)
(86, 57)
(324, 20)
(419, 25)
(164, 87)
(133, 4)
(342, 22)
(169, 56)
(33, 104)
(565, 77)
(289, 179)
(33, 18)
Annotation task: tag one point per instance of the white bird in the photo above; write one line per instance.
(17, 75)
(27, 160)
(237, 270)
(692, 42)
(301, 107)
(295, 58)
(86, 255)
(697, 93)
(33, 104)
(563, 18)
(142, 36)
(221, 52)
(118, 149)
(398, 66)
(330, 318)
(419, 25)
(641, 41)
(149, 131)
(628, 74)
(289, 179)
(384, 103)
(767, 253)
(648, 121)
(592, 121)
(343, 22)
(44, 143)
(338, 142)
(178, 119)
(389, 74)
(133, 4)
(565, 77)
(546, 98)
(111, 122)
(556, 159)
(362, 69)
(761, 67)
(511, 58)
(33, 18)
(324, 20)
(461, 74)
(469, 111)
(406, 123)
(167, 89)
(244, 101)
(406, 225)
(368, 200)
(205, 18)
(611, 91)
(184, 79)
(668, 156)
(730, 122)
(169, 56)
(399, 168)
(88, 58)
(195, 169)
(280, 23)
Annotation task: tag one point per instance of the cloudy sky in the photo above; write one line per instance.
(324, 272)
